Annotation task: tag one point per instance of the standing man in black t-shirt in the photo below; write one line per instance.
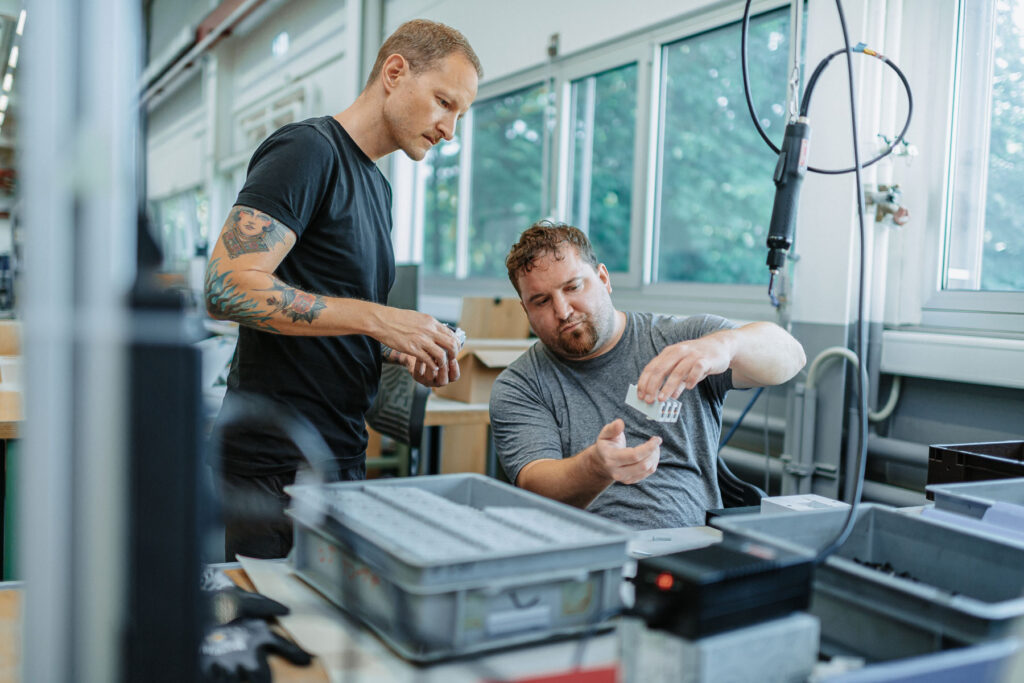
(304, 264)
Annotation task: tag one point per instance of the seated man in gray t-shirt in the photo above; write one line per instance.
(561, 426)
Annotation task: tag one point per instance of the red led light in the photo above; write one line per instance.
(664, 581)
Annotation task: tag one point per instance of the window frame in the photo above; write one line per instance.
(598, 62)
(965, 310)
(523, 81)
(461, 281)
(634, 288)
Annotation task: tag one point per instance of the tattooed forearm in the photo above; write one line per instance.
(225, 300)
(249, 231)
(295, 303)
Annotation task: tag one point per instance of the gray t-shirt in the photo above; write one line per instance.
(545, 407)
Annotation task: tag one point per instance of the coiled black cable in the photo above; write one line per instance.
(805, 101)
(861, 341)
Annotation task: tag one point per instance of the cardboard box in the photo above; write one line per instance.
(480, 363)
(10, 337)
(494, 318)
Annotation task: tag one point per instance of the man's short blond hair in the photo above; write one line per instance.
(424, 43)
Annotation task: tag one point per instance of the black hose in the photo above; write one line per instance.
(736, 425)
(861, 342)
(806, 100)
(851, 515)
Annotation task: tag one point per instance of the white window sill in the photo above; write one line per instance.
(991, 361)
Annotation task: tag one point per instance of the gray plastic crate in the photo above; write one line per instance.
(447, 565)
(994, 508)
(974, 499)
(984, 662)
(948, 587)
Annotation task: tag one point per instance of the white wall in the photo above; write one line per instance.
(193, 137)
(6, 236)
(928, 60)
(319, 53)
(175, 141)
(511, 36)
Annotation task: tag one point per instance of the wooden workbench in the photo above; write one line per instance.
(604, 670)
(11, 417)
(11, 410)
(459, 430)
(465, 440)
(282, 671)
(10, 635)
(444, 412)
(11, 414)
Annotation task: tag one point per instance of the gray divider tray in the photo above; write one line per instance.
(901, 585)
(974, 499)
(451, 564)
(454, 529)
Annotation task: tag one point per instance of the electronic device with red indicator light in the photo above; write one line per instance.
(728, 585)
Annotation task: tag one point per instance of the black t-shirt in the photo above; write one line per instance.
(312, 177)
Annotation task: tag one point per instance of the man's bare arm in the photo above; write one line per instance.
(240, 286)
(766, 355)
(578, 480)
(759, 354)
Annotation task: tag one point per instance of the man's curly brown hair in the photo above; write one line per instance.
(542, 238)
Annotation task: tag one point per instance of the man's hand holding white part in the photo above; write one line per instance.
(760, 354)
(428, 347)
(424, 377)
(683, 365)
(622, 463)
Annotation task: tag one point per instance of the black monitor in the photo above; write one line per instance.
(406, 290)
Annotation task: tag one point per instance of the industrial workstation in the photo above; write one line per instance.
(471, 341)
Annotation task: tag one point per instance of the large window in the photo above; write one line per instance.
(603, 139)
(715, 184)
(474, 208)
(984, 247)
(508, 174)
(574, 140)
(440, 209)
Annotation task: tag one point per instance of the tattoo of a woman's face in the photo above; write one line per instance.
(251, 231)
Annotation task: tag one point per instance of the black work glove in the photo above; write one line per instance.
(228, 602)
(237, 652)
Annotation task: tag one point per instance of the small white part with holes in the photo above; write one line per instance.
(660, 411)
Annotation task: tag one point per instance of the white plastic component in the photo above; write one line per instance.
(459, 333)
(661, 411)
(800, 503)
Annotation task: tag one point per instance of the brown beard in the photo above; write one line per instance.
(578, 343)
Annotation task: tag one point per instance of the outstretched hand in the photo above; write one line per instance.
(683, 366)
(624, 464)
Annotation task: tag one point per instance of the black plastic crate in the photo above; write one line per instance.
(950, 463)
